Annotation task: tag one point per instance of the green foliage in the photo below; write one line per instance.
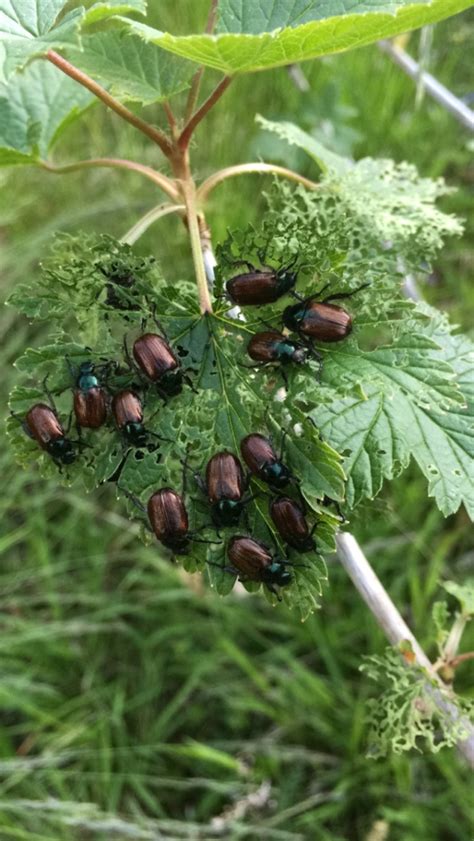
(130, 68)
(464, 593)
(378, 406)
(231, 402)
(255, 36)
(33, 27)
(35, 108)
(407, 715)
(391, 202)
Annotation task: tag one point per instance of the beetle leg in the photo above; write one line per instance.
(200, 483)
(190, 383)
(22, 423)
(71, 368)
(49, 395)
(341, 295)
(201, 540)
(249, 265)
(251, 367)
(273, 591)
(132, 498)
(327, 501)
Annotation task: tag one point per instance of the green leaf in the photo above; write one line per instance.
(328, 161)
(228, 402)
(29, 29)
(130, 68)
(254, 36)
(107, 8)
(464, 593)
(409, 408)
(390, 198)
(35, 108)
(404, 717)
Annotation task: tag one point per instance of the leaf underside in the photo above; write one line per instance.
(255, 36)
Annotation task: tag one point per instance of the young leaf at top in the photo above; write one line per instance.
(130, 68)
(255, 36)
(35, 108)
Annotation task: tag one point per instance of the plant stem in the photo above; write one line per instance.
(138, 229)
(247, 169)
(153, 133)
(186, 134)
(196, 80)
(171, 120)
(189, 193)
(452, 643)
(162, 181)
(461, 658)
(397, 631)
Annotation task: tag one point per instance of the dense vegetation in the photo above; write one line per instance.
(130, 689)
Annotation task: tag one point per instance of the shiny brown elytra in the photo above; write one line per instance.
(273, 346)
(169, 520)
(253, 561)
(262, 460)
(127, 408)
(128, 415)
(43, 425)
(320, 321)
(224, 487)
(159, 364)
(291, 524)
(90, 407)
(154, 356)
(257, 287)
(224, 478)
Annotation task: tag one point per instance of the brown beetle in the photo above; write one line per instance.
(43, 425)
(262, 460)
(291, 524)
(169, 520)
(157, 361)
(252, 560)
(273, 346)
(260, 286)
(90, 407)
(320, 320)
(224, 487)
(128, 414)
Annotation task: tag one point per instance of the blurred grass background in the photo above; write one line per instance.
(137, 704)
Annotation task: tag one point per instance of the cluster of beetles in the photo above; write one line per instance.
(225, 484)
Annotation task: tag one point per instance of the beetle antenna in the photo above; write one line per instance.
(341, 295)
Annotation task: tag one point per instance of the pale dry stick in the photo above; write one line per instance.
(397, 631)
(435, 89)
(138, 229)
